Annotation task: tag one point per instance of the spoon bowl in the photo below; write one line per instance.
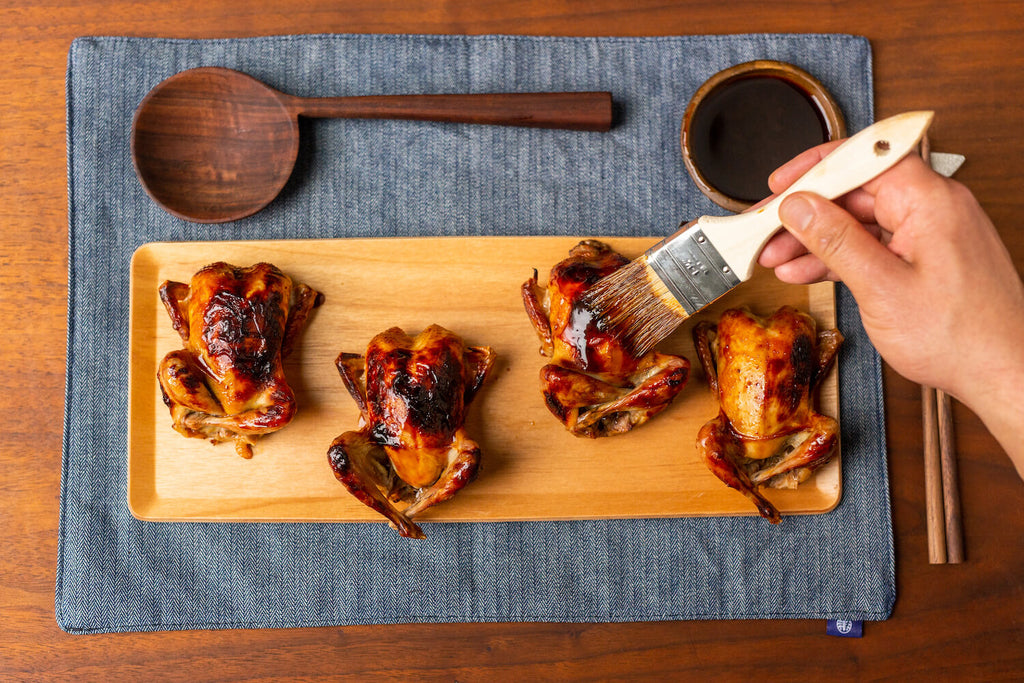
(212, 145)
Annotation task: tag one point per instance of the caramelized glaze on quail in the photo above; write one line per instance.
(237, 324)
(592, 383)
(763, 373)
(411, 451)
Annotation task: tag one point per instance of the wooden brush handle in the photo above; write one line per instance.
(570, 110)
(740, 238)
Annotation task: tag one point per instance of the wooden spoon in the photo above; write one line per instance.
(212, 144)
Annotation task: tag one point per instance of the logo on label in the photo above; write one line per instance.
(844, 628)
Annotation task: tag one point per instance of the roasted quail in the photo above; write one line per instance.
(592, 383)
(237, 324)
(411, 447)
(764, 373)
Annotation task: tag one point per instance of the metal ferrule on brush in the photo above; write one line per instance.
(691, 268)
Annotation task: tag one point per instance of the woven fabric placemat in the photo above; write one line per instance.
(116, 573)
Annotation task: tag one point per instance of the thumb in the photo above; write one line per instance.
(841, 242)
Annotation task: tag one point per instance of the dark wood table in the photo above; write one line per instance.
(964, 60)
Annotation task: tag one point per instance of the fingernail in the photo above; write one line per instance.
(796, 212)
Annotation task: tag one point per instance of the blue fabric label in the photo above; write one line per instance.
(844, 628)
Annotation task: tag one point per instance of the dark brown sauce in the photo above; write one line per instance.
(748, 127)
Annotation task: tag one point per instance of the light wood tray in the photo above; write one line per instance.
(532, 468)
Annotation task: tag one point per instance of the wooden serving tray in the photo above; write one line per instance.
(532, 468)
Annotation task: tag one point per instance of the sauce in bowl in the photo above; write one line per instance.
(748, 120)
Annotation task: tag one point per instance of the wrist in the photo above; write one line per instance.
(996, 396)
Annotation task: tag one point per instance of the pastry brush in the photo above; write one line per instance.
(644, 301)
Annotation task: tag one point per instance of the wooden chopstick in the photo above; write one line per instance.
(941, 487)
(950, 480)
(942, 490)
(934, 508)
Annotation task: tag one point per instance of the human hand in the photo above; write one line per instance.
(938, 293)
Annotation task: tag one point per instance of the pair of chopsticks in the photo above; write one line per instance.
(942, 490)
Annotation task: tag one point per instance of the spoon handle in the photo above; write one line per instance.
(570, 110)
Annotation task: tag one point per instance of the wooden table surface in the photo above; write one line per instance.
(964, 60)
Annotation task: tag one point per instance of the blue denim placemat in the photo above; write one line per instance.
(365, 178)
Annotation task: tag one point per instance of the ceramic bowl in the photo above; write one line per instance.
(747, 120)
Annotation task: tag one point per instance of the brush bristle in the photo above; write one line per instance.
(634, 305)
